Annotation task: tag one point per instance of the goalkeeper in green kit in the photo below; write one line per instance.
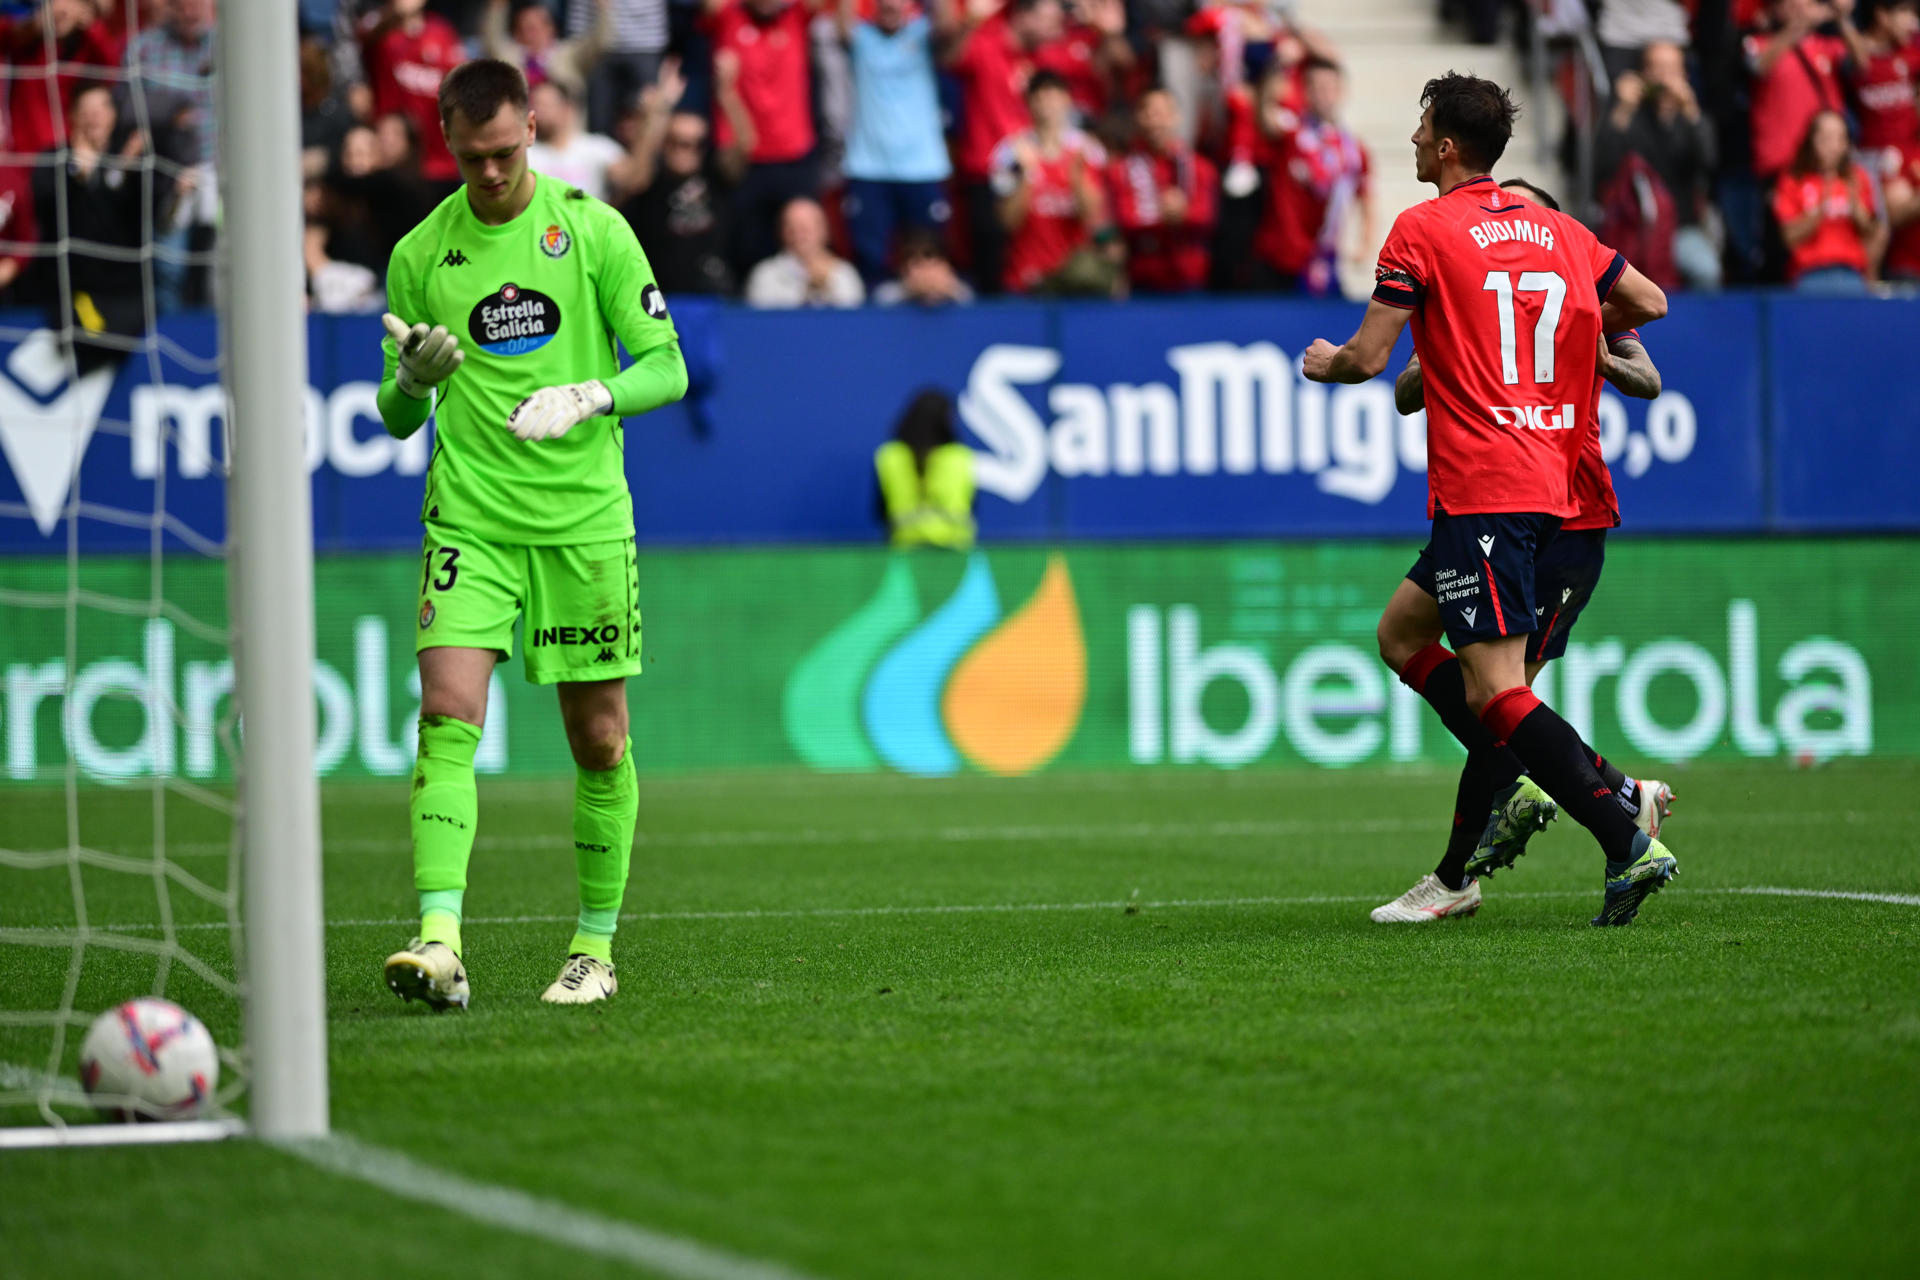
(505, 306)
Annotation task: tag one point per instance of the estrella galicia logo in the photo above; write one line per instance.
(514, 321)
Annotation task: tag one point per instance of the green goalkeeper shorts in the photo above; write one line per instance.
(581, 603)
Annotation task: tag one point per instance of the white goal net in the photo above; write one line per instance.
(120, 798)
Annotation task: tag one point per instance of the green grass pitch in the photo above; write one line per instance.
(1083, 1025)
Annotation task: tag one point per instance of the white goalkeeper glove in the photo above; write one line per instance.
(428, 357)
(551, 412)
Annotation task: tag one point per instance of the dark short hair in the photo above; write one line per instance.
(566, 94)
(478, 89)
(920, 242)
(1046, 80)
(1477, 114)
(1540, 194)
(1318, 63)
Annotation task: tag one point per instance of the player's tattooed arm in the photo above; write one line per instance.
(1626, 364)
(1409, 392)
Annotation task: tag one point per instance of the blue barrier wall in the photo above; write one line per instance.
(1150, 420)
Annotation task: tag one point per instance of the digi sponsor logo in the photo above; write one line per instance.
(513, 321)
(963, 685)
(1534, 417)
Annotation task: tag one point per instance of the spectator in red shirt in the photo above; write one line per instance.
(1796, 75)
(761, 50)
(1883, 79)
(18, 229)
(1824, 203)
(406, 52)
(80, 39)
(992, 57)
(1165, 199)
(1902, 187)
(1091, 54)
(1317, 173)
(1051, 203)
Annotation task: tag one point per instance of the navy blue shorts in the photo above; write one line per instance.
(1564, 578)
(1480, 570)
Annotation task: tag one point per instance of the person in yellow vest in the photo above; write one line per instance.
(926, 477)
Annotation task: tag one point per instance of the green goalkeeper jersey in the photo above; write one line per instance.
(535, 302)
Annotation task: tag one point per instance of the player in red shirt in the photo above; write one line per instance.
(1883, 82)
(1508, 302)
(992, 57)
(1316, 173)
(1565, 578)
(1049, 182)
(1165, 200)
(406, 52)
(1826, 210)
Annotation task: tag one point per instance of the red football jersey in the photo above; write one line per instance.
(776, 79)
(992, 68)
(1506, 301)
(1597, 507)
(1903, 251)
(1884, 89)
(404, 72)
(1164, 256)
(1836, 241)
(1055, 226)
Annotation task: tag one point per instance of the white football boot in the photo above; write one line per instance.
(429, 971)
(1656, 805)
(582, 980)
(1429, 900)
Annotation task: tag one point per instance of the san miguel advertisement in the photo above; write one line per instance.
(1006, 661)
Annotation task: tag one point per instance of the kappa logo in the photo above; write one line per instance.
(46, 422)
(605, 655)
(454, 258)
(1486, 545)
(1470, 615)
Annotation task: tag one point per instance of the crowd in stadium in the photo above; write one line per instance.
(832, 152)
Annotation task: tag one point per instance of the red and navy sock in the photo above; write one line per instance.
(1625, 789)
(1434, 674)
(1562, 765)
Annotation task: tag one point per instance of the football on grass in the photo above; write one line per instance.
(149, 1059)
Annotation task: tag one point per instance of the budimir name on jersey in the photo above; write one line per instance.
(1487, 234)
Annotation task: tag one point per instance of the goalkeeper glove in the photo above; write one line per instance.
(428, 357)
(551, 412)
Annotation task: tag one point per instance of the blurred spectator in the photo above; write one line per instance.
(1164, 201)
(804, 273)
(172, 65)
(926, 477)
(992, 57)
(761, 52)
(340, 257)
(1049, 181)
(80, 41)
(1091, 54)
(19, 230)
(529, 40)
(1796, 75)
(406, 52)
(1627, 27)
(592, 162)
(1902, 187)
(1656, 118)
(686, 191)
(100, 199)
(1317, 176)
(378, 192)
(896, 161)
(398, 141)
(1824, 204)
(325, 115)
(636, 41)
(1883, 79)
(927, 277)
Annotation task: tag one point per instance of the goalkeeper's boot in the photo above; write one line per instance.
(1656, 805)
(1429, 900)
(582, 980)
(1519, 813)
(1631, 883)
(431, 972)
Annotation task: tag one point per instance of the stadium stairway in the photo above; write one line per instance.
(1391, 48)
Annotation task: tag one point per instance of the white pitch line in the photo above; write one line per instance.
(1006, 908)
(529, 1215)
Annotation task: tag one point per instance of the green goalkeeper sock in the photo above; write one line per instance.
(444, 811)
(606, 804)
